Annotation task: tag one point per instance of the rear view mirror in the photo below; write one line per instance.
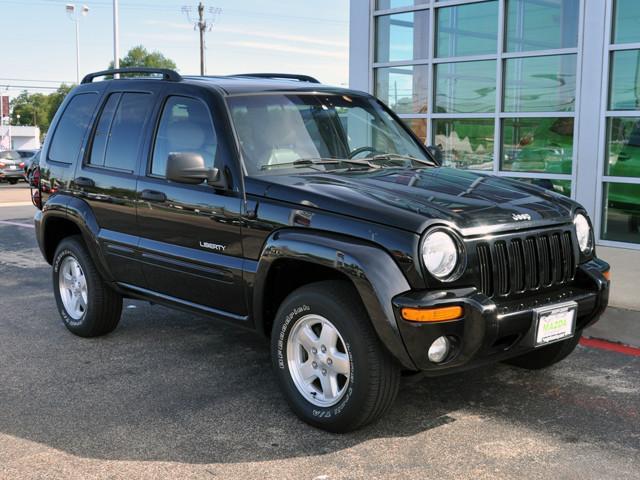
(436, 153)
(189, 167)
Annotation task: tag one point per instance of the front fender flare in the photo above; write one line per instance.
(373, 272)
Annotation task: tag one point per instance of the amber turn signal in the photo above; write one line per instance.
(607, 275)
(440, 314)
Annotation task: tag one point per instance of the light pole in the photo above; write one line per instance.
(75, 17)
(116, 39)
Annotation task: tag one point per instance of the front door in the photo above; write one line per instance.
(190, 234)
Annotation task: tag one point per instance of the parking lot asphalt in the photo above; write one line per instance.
(172, 395)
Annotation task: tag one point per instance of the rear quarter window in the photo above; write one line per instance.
(75, 120)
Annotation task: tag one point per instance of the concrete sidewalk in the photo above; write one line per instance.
(617, 325)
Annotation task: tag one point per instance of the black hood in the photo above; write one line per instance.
(413, 199)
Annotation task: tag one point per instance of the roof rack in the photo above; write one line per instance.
(167, 74)
(284, 76)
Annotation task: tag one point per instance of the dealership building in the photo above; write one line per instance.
(545, 91)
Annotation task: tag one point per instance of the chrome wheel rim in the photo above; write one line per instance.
(73, 288)
(318, 360)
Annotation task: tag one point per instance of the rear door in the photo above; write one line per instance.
(190, 234)
(106, 178)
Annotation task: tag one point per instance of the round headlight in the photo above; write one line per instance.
(439, 254)
(583, 232)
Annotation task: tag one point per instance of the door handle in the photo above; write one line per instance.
(153, 196)
(84, 182)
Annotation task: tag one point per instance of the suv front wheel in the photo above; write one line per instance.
(329, 362)
(87, 305)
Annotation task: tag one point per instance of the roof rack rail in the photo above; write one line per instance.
(284, 76)
(167, 74)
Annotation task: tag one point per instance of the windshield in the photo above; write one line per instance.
(310, 132)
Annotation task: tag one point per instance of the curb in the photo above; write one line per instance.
(609, 346)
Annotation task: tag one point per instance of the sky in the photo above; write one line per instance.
(37, 39)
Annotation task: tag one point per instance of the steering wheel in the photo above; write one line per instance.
(360, 150)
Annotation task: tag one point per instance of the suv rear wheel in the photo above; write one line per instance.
(329, 362)
(87, 305)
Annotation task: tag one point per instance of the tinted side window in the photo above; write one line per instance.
(185, 126)
(67, 138)
(102, 130)
(119, 132)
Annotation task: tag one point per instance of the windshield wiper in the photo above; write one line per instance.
(310, 162)
(397, 156)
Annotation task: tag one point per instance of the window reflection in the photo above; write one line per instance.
(466, 87)
(467, 30)
(404, 89)
(625, 80)
(540, 84)
(562, 187)
(623, 147)
(626, 21)
(621, 212)
(387, 4)
(465, 143)
(541, 25)
(403, 36)
(537, 144)
(418, 126)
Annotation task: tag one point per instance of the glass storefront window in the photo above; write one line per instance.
(388, 4)
(419, 127)
(537, 145)
(403, 36)
(540, 84)
(536, 25)
(403, 89)
(623, 147)
(559, 186)
(626, 20)
(621, 212)
(466, 87)
(625, 80)
(465, 143)
(467, 30)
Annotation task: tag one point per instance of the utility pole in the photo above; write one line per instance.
(202, 25)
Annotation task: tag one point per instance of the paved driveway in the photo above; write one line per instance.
(171, 395)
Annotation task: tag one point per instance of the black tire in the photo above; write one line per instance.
(104, 305)
(12, 181)
(376, 371)
(546, 356)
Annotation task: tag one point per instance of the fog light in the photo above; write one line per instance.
(439, 349)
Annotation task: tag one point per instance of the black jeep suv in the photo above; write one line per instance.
(313, 215)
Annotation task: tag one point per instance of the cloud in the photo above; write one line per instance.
(275, 47)
(254, 33)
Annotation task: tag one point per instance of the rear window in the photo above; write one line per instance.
(116, 141)
(67, 138)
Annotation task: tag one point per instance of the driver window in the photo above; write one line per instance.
(185, 126)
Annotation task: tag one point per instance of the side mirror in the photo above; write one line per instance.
(436, 153)
(189, 167)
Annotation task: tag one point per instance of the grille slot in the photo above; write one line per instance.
(526, 262)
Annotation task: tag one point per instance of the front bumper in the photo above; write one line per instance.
(491, 331)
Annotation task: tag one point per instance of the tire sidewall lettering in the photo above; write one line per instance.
(282, 364)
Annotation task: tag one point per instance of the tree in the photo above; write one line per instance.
(37, 108)
(140, 57)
